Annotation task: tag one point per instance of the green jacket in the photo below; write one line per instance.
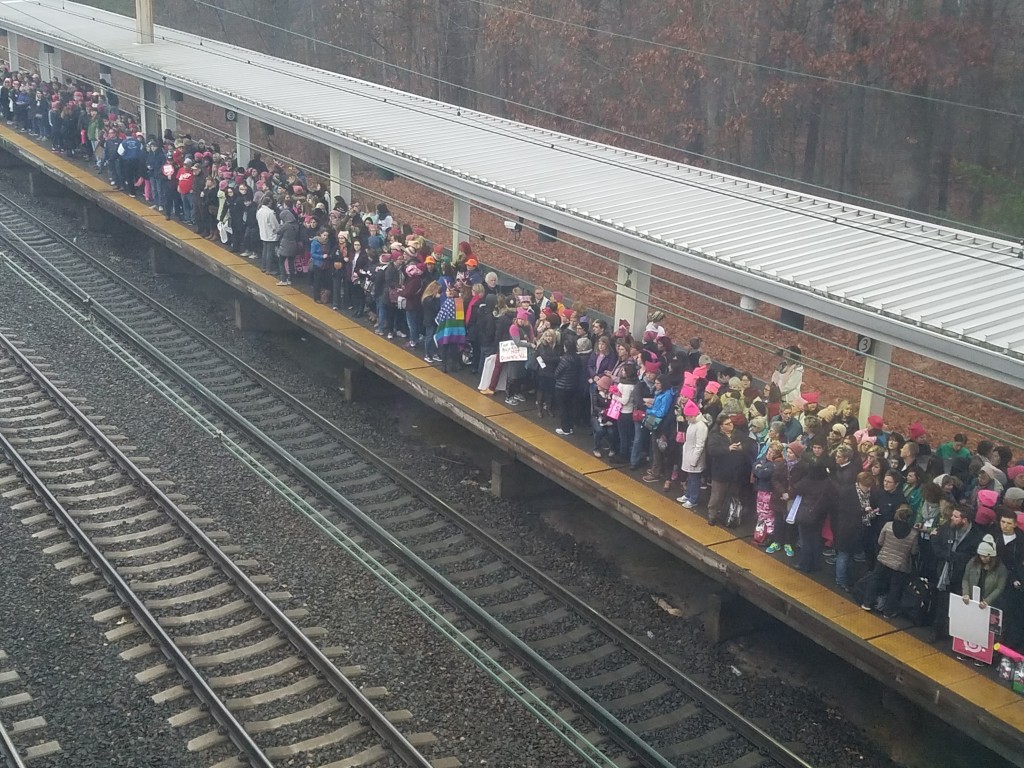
(995, 581)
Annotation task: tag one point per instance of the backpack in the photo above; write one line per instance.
(916, 600)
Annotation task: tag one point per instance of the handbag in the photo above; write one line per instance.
(402, 302)
(614, 410)
(651, 422)
(638, 416)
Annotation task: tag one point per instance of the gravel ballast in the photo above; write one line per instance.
(342, 598)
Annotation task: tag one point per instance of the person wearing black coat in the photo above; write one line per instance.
(730, 460)
(890, 498)
(817, 496)
(954, 544)
(567, 375)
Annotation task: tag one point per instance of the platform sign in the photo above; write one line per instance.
(980, 653)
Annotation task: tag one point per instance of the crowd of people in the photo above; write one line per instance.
(906, 524)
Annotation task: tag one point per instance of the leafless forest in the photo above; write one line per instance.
(907, 104)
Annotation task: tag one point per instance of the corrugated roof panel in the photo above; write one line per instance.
(765, 237)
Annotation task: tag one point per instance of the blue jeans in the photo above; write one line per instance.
(383, 314)
(429, 345)
(641, 437)
(693, 486)
(600, 432)
(412, 319)
(186, 205)
(843, 560)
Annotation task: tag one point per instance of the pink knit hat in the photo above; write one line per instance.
(701, 372)
(691, 409)
(523, 314)
(986, 501)
(687, 392)
(713, 387)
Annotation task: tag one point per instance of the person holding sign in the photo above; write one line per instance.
(986, 572)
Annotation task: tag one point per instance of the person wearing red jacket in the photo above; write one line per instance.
(186, 178)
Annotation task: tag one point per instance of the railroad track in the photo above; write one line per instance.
(261, 690)
(22, 739)
(631, 703)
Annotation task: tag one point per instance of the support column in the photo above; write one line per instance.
(460, 222)
(511, 479)
(243, 145)
(45, 67)
(251, 316)
(168, 110)
(148, 109)
(41, 185)
(632, 293)
(163, 261)
(13, 58)
(341, 175)
(144, 21)
(728, 616)
(7, 160)
(96, 219)
(57, 65)
(876, 380)
(360, 385)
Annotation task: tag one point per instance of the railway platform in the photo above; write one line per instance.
(892, 653)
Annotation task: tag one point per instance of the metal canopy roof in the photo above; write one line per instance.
(947, 294)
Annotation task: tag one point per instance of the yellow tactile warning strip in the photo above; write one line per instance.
(660, 515)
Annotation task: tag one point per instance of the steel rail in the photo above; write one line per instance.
(218, 708)
(8, 752)
(757, 736)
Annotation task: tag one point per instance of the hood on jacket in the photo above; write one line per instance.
(287, 217)
(901, 529)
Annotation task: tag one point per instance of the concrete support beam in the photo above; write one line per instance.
(13, 57)
(460, 222)
(41, 185)
(168, 110)
(632, 293)
(251, 316)
(341, 175)
(511, 479)
(359, 384)
(876, 380)
(149, 108)
(96, 219)
(163, 261)
(729, 616)
(7, 160)
(243, 145)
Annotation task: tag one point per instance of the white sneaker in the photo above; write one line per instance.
(688, 504)
(560, 431)
(282, 282)
(682, 499)
(520, 399)
(510, 401)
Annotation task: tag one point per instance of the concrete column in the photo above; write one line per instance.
(168, 110)
(251, 316)
(144, 21)
(876, 380)
(511, 479)
(41, 185)
(57, 65)
(632, 293)
(45, 70)
(728, 616)
(163, 261)
(243, 146)
(361, 385)
(96, 219)
(13, 57)
(341, 175)
(149, 109)
(7, 160)
(460, 222)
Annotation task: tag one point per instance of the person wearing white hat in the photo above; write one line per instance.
(986, 572)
